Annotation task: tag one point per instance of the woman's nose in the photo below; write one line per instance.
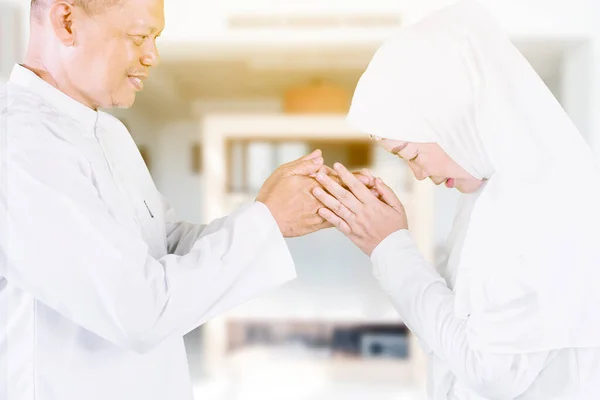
(419, 173)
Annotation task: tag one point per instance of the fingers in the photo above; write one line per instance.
(365, 177)
(299, 166)
(327, 170)
(359, 190)
(341, 194)
(316, 153)
(367, 180)
(375, 193)
(367, 173)
(317, 223)
(333, 204)
(387, 195)
(324, 224)
(335, 220)
(362, 179)
(305, 167)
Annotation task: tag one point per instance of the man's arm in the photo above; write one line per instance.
(63, 247)
(181, 235)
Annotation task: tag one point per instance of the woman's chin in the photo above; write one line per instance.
(467, 187)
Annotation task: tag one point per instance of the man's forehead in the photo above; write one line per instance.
(152, 25)
(146, 13)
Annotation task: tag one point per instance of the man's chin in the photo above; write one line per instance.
(124, 103)
(123, 106)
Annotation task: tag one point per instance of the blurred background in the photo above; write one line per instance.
(246, 85)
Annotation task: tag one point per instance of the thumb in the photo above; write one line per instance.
(305, 167)
(387, 195)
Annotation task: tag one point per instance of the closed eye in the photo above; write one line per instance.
(139, 40)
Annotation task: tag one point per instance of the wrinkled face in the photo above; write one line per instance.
(114, 51)
(429, 160)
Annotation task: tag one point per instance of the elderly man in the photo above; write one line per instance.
(98, 282)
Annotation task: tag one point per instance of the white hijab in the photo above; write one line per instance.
(530, 266)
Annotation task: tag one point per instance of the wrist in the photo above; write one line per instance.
(401, 236)
(270, 210)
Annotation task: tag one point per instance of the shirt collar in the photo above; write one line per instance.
(23, 77)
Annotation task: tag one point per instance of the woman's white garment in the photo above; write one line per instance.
(524, 291)
(424, 299)
(98, 282)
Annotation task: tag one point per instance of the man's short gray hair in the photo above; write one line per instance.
(91, 7)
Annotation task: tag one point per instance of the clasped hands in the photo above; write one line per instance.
(305, 196)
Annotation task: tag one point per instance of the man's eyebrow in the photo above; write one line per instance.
(140, 26)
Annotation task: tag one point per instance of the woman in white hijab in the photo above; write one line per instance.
(515, 310)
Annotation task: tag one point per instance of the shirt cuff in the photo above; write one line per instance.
(400, 267)
(277, 247)
(392, 250)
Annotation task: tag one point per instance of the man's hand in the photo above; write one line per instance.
(288, 195)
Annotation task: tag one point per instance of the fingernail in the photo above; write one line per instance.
(337, 165)
(379, 181)
(320, 176)
(318, 191)
(318, 160)
(312, 175)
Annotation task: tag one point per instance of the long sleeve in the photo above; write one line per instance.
(63, 246)
(181, 235)
(426, 305)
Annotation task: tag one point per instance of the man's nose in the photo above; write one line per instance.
(151, 58)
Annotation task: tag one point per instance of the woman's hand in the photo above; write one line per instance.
(357, 212)
(363, 176)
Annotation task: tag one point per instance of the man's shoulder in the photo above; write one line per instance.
(18, 101)
(23, 110)
(30, 124)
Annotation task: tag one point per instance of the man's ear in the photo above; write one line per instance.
(61, 20)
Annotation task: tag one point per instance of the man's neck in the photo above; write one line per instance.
(37, 66)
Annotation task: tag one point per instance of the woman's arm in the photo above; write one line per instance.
(426, 305)
(379, 227)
